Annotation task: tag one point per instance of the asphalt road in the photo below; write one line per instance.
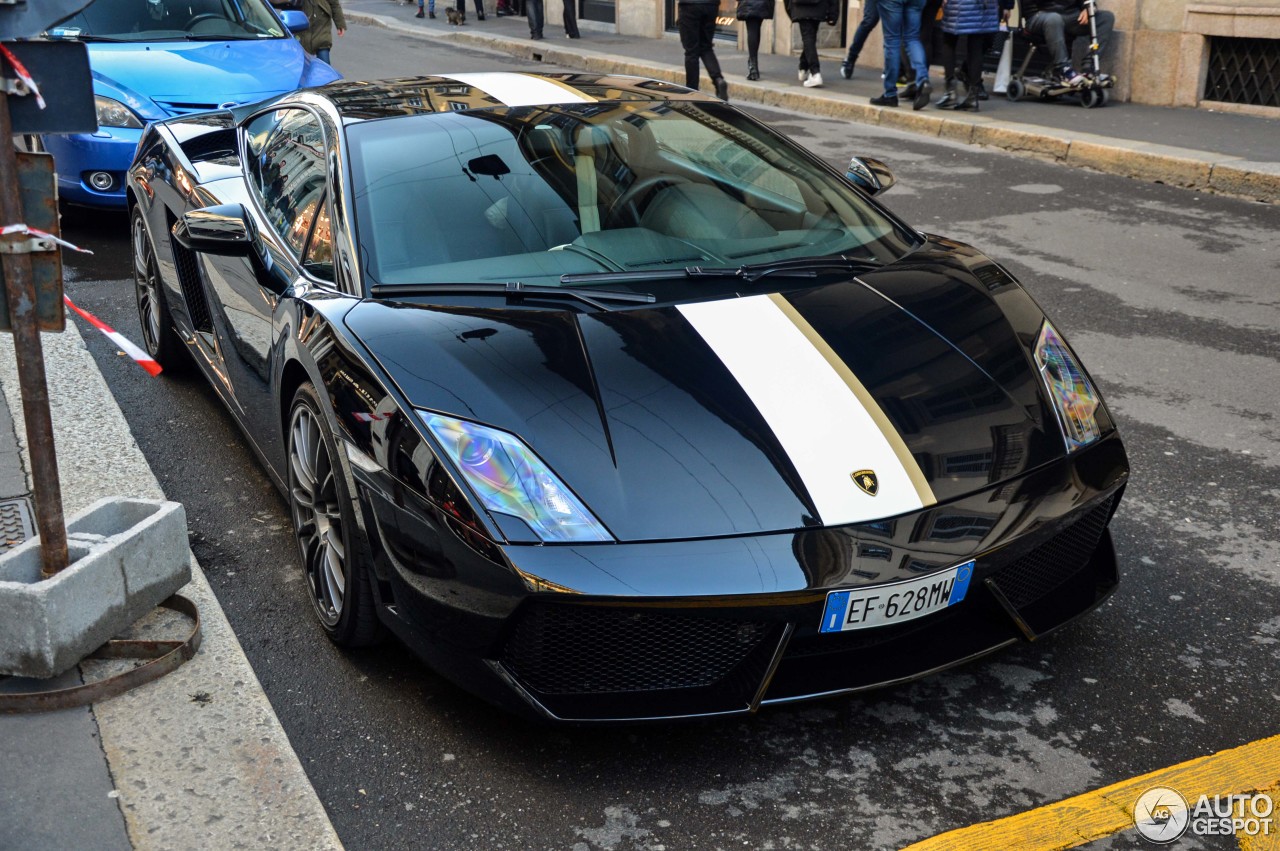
(1172, 300)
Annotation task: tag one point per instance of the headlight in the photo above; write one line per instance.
(509, 479)
(112, 113)
(1074, 399)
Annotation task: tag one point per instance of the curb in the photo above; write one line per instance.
(198, 758)
(1183, 167)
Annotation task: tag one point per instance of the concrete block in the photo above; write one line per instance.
(1020, 140)
(912, 121)
(127, 555)
(1259, 181)
(1154, 73)
(1193, 65)
(957, 130)
(1144, 164)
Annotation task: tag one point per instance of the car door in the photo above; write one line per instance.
(288, 195)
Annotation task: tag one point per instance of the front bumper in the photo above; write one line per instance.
(714, 627)
(78, 155)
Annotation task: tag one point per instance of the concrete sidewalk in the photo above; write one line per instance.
(1195, 148)
(196, 759)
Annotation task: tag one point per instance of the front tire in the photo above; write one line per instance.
(158, 336)
(334, 555)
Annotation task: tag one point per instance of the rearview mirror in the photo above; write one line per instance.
(222, 230)
(872, 176)
(295, 20)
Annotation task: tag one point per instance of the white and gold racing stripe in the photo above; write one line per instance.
(522, 89)
(826, 421)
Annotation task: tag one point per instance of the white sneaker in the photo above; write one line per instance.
(804, 75)
(813, 81)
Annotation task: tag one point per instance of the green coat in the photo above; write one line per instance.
(323, 15)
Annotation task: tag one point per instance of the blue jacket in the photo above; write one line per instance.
(969, 17)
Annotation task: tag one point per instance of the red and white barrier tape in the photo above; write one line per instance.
(143, 359)
(370, 418)
(27, 230)
(23, 74)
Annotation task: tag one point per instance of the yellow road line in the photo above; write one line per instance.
(1103, 812)
(1271, 842)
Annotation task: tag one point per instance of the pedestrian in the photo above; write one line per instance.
(322, 17)
(533, 9)
(900, 23)
(462, 7)
(809, 15)
(431, 9)
(866, 26)
(755, 13)
(974, 20)
(571, 19)
(1057, 19)
(697, 25)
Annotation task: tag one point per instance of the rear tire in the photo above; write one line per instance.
(158, 336)
(1090, 98)
(334, 553)
(1015, 91)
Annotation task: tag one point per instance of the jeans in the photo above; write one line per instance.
(870, 20)
(431, 6)
(697, 26)
(1054, 29)
(899, 22)
(323, 55)
(533, 9)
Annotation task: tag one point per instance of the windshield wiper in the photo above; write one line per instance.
(516, 291)
(67, 36)
(798, 267)
(212, 37)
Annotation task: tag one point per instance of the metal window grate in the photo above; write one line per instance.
(1244, 70)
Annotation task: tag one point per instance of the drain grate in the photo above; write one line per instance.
(15, 522)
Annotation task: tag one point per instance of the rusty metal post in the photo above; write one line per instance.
(20, 292)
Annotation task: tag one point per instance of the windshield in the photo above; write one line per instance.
(534, 193)
(171, 20)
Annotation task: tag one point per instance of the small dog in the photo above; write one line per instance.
(456, 16)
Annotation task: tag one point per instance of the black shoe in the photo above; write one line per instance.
(982, 92)
(970, 102)
(948, 100)
(846, 70)
(921, 99)
(431, 15)
(722, 88)
(480, 16)
(536, 36)
(753, 70)
(885, 100)
(420, 15)
(908, 93)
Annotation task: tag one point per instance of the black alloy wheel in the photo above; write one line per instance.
(158, 336)
(332, 548)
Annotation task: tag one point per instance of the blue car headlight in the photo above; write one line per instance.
(112, 113)
(510, 479)
(1074, 399)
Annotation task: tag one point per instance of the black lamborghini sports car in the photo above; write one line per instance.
(615, 404)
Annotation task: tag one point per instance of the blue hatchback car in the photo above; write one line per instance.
(155, 59)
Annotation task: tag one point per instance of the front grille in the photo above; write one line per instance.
(1244, 70)
(184, 108)
(1040, 571)
(586, 650)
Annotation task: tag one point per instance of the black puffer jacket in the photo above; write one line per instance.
(813, 10)
(755, 9)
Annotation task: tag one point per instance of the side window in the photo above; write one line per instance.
(287, 171)
(319, 258)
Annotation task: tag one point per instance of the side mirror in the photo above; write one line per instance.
(295, 20)
(872, 176)
(223, 230)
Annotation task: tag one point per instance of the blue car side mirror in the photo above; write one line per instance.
(295, 20)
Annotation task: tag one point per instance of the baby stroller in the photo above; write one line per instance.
(1095, 91)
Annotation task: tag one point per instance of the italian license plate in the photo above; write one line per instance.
(896, 603)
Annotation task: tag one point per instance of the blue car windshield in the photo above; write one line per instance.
(171, 20)
(531, 194)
